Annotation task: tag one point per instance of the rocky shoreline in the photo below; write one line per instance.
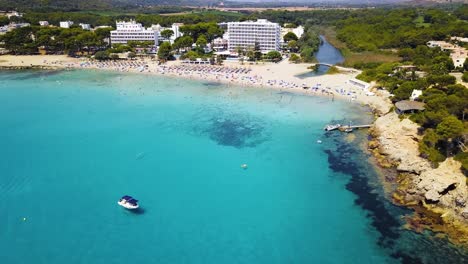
(438, 196)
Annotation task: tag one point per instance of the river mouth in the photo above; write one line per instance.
(326, 53)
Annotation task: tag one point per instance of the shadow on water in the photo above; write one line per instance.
(34, 74)
(138, 211)
(213, 84)
(403, 245)
(322, 69)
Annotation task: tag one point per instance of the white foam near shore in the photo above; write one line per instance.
(283, 75)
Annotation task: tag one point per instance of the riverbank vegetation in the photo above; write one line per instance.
(308, 44)
(354, 58)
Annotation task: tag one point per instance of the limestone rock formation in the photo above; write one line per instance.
(443, 187)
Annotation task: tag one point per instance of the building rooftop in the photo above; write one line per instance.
(407, 105)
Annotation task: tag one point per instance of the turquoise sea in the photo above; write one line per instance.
(73, 142)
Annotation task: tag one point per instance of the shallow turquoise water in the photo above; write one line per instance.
(72, 143)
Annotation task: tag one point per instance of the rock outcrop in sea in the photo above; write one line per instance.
(439, 195)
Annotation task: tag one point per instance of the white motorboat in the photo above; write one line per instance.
(128, 202)
(332, 127)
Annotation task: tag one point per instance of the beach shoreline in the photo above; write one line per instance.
(282, 76)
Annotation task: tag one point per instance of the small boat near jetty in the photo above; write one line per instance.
(332, 127)
(128, 202)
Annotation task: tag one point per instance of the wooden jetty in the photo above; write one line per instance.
(345, 128)
(351, 128)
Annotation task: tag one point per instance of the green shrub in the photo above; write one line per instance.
(294, 58)
(430, 153)
(465, 76)
(101, 55)
(463, 158)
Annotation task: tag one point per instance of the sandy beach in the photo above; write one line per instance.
(283, 75)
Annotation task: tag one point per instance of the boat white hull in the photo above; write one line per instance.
(127, 205)
(332, 127)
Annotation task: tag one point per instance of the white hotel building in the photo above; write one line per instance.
(132, 31)
(246, 34)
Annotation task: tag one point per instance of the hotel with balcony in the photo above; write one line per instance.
(132, 31)
(247, 34)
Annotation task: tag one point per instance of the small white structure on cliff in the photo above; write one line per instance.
(415, 94)
(66, 24)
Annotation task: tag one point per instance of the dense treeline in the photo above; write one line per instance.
(370, 30)
(26, 5)
(151, 6)
(318, 17)
(95, 19)
(27, 40)
(462, 12)
(193, 18)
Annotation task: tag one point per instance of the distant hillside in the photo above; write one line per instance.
(77, 5)
(60, 4)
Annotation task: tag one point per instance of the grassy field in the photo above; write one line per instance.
(351, 58)
(419, 21)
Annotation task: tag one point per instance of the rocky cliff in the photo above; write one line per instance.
(440, 193)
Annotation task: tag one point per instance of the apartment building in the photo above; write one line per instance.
(247, 34)
(175, 28)
(132, 31)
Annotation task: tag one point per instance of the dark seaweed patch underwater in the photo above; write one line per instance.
(236, 131)
(403, 245)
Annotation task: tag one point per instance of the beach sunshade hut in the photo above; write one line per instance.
(407, 106)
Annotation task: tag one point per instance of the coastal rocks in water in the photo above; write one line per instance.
(438, 195)
(445, 185)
